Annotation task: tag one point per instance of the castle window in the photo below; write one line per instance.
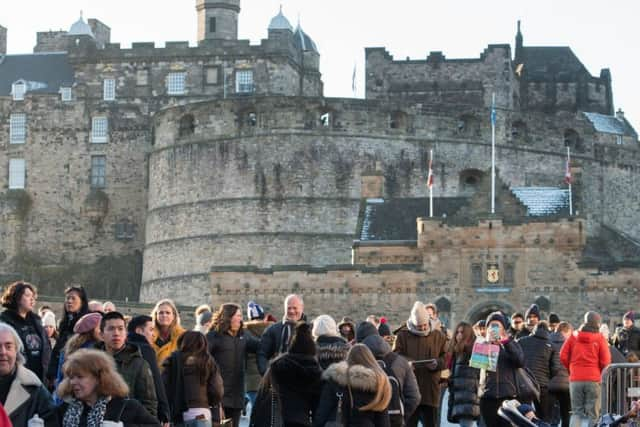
(98, 171)
(65, 94)
(17, 128)
(187, 125)
(142, 77)
(518, 131)
(509, 274)
(468, 125)
(212, 75)
(176, 83)
(572, 139)
(398, 120)
(476, 274)
(17, 173)
(252, 119)
(469, 180)
(244, 81)
(212, 24)
(109, 89)
(99, 130)
(325, 119)
(619, 140)
(18, 90)
(125, 230)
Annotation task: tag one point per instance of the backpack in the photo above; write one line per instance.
(396, 404)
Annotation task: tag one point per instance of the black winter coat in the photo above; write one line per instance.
(150, 357)
(65, 331)
(296, 378)
(271, 343)
(560, 381)
(464, 402)
(230, 354)
(331, 350)
(540, 357)
(627, 340)
(27, 397)
(363, 385)
(501, 384)
(37, 363)
(128, 411)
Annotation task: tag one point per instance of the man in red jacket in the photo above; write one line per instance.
(585, 354)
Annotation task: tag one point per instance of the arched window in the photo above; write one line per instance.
(187, 125)
(543, 303)
(572, 140)
(469, 181)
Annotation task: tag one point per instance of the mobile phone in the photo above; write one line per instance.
(495, 331)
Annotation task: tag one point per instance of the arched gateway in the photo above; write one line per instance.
(482, 310)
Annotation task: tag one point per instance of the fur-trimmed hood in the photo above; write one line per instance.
(357, 376)
(21, 389)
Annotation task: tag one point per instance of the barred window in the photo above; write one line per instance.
(17, 172)
(18, 90)
(476, 274)
(109, 89)
(18, 128)
(99, 130)
(509, 274)
(98, 171)
(125, 230)
(176, 83)
(65, 94)
(244, 81)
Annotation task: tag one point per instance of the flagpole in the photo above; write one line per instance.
(493, 154)
(569, 171)
(430, 184)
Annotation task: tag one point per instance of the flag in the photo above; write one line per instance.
(430, 176)
(493, 115)
(567, 173)
(353, 80)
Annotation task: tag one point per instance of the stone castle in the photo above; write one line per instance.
(219, 172)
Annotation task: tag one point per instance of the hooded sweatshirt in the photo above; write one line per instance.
(585, 354)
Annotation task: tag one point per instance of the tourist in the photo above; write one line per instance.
(95, 394)
(532, 317)
(96, 306)
(276, 338)
(347, 329)
(49, 326)
(360, 387)
(554, 320)
(330, 345)
(256, 325)
(192, 380)
(21, 392)
(202, 315)
(76, 305)
(295, 377)
(19, 299)
(559, 383)
(516, 327)
(167, 329)
(500, 385)
(108, 307)
(543, 362)
(229, 345)
(140, 334)
(627, 338)
(464, 402)
(480, 328)
(585, 355)
(426, 348)
(134, 369)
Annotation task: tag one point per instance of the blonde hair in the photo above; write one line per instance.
(361, 355)
(176, 315)
(98, 364)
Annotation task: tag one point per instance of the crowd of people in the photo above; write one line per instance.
(98, 367)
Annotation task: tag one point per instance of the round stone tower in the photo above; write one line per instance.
(217, 19)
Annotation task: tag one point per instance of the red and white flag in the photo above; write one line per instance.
(567, 173)
(430, 176)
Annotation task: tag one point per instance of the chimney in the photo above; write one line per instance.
(3, 40)
(620, 114)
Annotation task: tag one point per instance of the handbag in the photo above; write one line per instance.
(527, 387)
(337, 421)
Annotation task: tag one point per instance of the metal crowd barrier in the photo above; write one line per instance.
(620, 386)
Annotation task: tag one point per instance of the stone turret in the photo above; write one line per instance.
(217, 19)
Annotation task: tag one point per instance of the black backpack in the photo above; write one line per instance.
(396, 404)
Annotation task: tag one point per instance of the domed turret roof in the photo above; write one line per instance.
(303, 41)
(80, 28)
(280, 22)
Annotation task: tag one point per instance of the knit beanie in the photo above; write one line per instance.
(496, 315)
(365, 329)
(517, 314)
(554, 318)
(49, 319)
(533, 310)
(419, 314)
(87, 323)
(324, 325)
(629, 315)
(254, 311)
(302, 341)
(592, 319)
(384, 330)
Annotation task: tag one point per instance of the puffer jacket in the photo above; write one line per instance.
(540, 357)
(253, 377)
(585, 354)
(501, 383)
(331, 350)
(296, 378)
(164, 349)
(464, 402)
(362, 382)
(560, 381)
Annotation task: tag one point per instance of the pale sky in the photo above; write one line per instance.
(601, 34)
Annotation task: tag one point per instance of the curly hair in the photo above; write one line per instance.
(14, 291)
(98, 364)
(221, 321)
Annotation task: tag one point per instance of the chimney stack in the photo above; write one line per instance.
(3, 40)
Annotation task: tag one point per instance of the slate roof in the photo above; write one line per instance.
(543, 201)
(611, 124)
(43, 72)
(552, 61)
(303, 41)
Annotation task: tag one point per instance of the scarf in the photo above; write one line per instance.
(415, 331)
(94, 418)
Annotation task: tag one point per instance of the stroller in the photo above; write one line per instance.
(520, 414)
